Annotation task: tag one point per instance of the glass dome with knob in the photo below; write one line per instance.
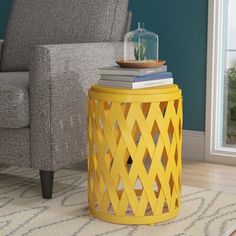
(141, 45)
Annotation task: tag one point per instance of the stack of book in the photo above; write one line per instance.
(134, 78)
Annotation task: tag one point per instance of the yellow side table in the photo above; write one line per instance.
(135, 150)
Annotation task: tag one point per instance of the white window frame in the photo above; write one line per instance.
(214, 152)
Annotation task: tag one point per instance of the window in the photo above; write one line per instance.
(229, 127)
(221, 83)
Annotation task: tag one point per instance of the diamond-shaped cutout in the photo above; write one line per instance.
(120, 189)
(108, 159)
(128, 160)
(176, 105)
(138, 184)
(100, 136)
(136, 133)
(125, 107)
(107, 105)
(116, 125)
(120, 186)
(155, 133)
(100, 124)
(117, 132)
(101, 183)
(165, 208)
(111, 209)
(176, 203)
(92, 107)
(96, 205)
(106, 108)
(163, 106)
(164, 159)
(94, 159)
(129, 211)
(171, 131)
(90, 130)
(176, 156)
(105, 189)
(145, 109)
(147, 161)
(148, 211)
(171, 184)
(100, 133)
(94, 149)
(157, 186)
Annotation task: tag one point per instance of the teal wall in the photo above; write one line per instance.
(5, 6)
(182, 29)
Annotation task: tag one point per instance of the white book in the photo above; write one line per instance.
(117, 70)
(135, 85)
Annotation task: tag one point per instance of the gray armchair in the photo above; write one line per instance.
(49, 58)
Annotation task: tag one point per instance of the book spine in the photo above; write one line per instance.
(120, 78)
(156, 76)
(129, 72)
(123, 78)
(135, 85)
(153, 83)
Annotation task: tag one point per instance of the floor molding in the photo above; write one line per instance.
(193, 145)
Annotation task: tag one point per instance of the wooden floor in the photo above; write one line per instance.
(203, 175)
(210, 176)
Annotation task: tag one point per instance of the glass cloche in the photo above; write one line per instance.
(141, 45)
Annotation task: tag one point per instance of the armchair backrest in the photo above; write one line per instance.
(38, 22)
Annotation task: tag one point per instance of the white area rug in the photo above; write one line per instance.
(24, 212)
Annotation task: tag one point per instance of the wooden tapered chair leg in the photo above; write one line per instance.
(46, 178)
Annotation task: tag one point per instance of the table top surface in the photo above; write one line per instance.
(166, 89)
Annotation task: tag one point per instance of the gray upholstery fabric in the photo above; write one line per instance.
(15, 147)
(1, 45)
(60, 76)
(14, 99)
(39, 22)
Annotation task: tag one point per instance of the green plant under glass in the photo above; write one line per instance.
(141, 45)
(140, 52)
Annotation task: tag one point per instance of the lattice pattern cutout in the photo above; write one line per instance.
(150, 135)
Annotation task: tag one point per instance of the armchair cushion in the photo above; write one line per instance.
(37, 22)
(14, 99)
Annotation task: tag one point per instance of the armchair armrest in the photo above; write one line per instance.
(60, 76)
(1, 45)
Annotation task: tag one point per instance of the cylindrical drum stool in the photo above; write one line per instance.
(135, 150)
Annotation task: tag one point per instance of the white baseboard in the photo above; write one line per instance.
(193, 145)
